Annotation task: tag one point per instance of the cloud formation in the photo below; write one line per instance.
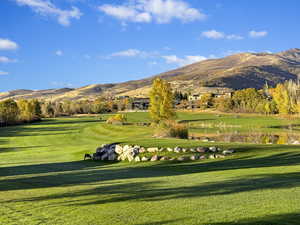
(6, 44)
(4, 59)
(257, 34)
(134, 53)
(159, 11)
(46, 8)
(213, 34)
(189, 59)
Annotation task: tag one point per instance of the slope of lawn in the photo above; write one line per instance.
(43, 179)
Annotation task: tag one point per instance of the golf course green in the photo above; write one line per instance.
(44, 179)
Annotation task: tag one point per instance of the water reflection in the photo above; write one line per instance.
(250, 137)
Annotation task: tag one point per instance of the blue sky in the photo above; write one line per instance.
(71, 43)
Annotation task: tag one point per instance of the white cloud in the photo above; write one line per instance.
(59, 53)
(234, 37)
(4, 59)
(213, 34)
(173, 59)
(257, 34)
(127, 53)
(6, 44)
(134, 53)
(159, 11)
(3, 73)
(47, 8)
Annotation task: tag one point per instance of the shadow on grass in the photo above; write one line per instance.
(67, 121)
(21, 131)
(16, 149)
(85, 172)
(152, 191)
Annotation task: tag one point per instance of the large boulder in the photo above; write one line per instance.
(119, 149)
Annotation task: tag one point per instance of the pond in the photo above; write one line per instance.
(268, 135)
(250, 137)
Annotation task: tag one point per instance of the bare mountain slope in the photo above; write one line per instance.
(236, 71)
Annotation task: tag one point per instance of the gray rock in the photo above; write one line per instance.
(137, 159)
(104, 156)
(142, 150)
(201, 149)
(164, 158)
(154, 158)
(228, 152)
(152, 149)
(130, 158)
(169, 149)
(182, 158)
(112, 157)
(213, 149)
(194, 157)
(219, 156)
(119, 149)
(144, 159)
(202, 157)
(177, 149)
(212, 156)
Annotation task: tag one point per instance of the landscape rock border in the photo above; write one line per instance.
(116, 152)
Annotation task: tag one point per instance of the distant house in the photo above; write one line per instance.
(194, 97)
(140, 103)
(215, 92)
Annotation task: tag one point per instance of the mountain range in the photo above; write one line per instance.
(238, 71)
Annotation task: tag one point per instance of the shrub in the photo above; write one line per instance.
(117, 119)
(172, 129)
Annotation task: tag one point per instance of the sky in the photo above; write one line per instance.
(48, 44)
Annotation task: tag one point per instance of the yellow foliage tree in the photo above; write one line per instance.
(161, 101)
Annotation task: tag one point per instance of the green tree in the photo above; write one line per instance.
(161, 101)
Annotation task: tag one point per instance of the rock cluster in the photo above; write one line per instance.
(112, 152)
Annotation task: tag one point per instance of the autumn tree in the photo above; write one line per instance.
(9, 112)
(161, 101)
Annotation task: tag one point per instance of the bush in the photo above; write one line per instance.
(117, 119)
(172, 129)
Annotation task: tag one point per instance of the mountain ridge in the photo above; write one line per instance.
(242, 70)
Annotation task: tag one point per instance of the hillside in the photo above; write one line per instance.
(236, 71)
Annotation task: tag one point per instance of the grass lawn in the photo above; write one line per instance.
(43, 179)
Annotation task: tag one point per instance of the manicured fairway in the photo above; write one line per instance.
(43, 179)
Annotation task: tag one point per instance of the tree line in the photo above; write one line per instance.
(282, 99)
(25, 111)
